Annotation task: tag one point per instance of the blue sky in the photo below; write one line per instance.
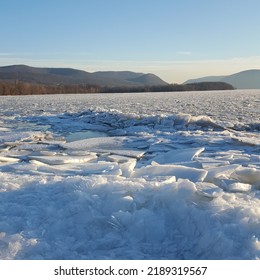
(175, 39)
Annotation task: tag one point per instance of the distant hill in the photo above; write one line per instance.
(207, 86)
(249, 79)
(69, 76)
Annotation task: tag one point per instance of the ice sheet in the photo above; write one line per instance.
(176, 177)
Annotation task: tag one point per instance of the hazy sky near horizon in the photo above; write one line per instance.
(175, 39)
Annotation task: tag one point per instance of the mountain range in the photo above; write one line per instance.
(249, 79)
(69, 76)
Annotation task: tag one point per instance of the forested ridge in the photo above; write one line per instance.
(22, 88)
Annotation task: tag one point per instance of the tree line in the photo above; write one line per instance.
(22, 88)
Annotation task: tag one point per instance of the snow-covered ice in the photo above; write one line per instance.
(130, 176)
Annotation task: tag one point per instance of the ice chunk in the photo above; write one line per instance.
(126, 152)
(109, 168)
(96, 143)
(238, 187)
(168, 180)
(33, 147)
(250, 140)
(80, 135)
(48, 153)
(223, 171)
(247, 175)
(138, 143)
(208, 190)
(161, 180)
(181, 119)
(56, 160)
(204, 121)
(117, 158)
(210, 162)
(241, 159)
(127, 167)
(4, 129)
(113, 145)
(159, 147)
(193, 164)
(8, 159)
(12, 137)
(143, 225)
(125, 203)
(177, 156)
(213, 164)
(178, 171)
(231, 185)
(78, 153)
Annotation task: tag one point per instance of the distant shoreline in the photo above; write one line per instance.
(21, 88)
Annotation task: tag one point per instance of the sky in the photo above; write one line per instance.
(174, 39)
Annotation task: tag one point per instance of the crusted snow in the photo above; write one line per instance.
(163, 176)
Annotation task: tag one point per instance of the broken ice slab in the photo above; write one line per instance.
(117, 158)
(108, 168)
(177, 156)
(59, 159)
(127, 167)
(80, 135)
(13, 137)
(231, 185)
(112, 145)
(8, 159)
(160, 147)
(211, 163)
(96, 143)
(4, 129)
(47, 153)
(126, 152)
(32, 147)
(192, 174)
(208, 190)
(77, 153)
(194, 164)
(223, 172)
(238, 187)
(247, 175)
(251, 139)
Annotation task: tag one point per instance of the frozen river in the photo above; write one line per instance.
(231, 106)
(130, 176)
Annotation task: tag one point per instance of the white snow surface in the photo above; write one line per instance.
(167, 176)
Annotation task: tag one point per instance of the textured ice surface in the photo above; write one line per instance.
(178, 156)
(55, 160)
(193, 174)
(173, 176)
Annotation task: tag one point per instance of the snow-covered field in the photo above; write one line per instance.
(166, 176)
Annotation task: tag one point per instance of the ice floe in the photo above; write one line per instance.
(63, 159)
(193, 174)
(208, 190)
(178, 156)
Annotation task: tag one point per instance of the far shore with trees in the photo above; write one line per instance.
(24, 88)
